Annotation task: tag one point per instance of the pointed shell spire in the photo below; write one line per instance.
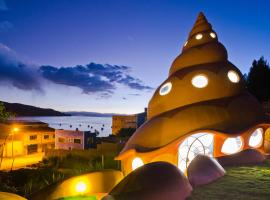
(201, 47)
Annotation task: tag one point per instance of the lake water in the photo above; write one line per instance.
(83, 123)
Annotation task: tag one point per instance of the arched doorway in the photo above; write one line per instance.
(199, 143)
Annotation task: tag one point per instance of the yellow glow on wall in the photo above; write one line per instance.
(199, 36)
(213, 35)
(232, 145)
(256, 138)
(199, 81)
(233, 76)
(136, 163)
(81, 187)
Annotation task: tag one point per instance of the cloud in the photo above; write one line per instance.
(5, 26)
(93, 78)
(17, 73)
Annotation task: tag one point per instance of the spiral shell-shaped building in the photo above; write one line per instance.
(202, 107)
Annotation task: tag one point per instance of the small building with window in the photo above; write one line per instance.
(68, 139)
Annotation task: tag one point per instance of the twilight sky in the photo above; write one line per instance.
(108, 55)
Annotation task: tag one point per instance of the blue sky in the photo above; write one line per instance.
(131, 45)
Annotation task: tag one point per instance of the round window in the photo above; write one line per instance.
(165, 89)
(199, 81)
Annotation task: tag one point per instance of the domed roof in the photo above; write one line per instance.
(203, 92)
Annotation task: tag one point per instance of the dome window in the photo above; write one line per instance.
(213, 35)
(199, 36)
(185, 43)
(165, 89)
(233, 76)
(136, 163)
(199, 81)
(256, 138)
(232, 145)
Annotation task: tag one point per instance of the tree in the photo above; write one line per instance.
(258, 79)
(4, 115)
(126, 132)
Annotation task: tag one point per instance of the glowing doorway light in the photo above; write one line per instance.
(256, 138)
(199, 81)
(81, 187)
(136, 163)
(232, 145)
(200, 143)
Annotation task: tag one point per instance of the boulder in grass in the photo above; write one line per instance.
(248, 156)
(203, 170)
(10, 196)
(157, 180)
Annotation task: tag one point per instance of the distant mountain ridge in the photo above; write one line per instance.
(27, 110)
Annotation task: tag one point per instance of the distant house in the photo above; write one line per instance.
(29, 138)
(68, 139)
(127, 121)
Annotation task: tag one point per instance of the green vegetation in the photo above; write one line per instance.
(79, 198)
(4, 115)
(52, 170)
(258, 79)
(246, 182)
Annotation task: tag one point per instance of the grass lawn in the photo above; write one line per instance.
(245, 183)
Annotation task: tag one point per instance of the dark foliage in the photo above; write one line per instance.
(126, 132)
(258, 79)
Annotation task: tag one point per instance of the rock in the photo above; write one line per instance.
(10, 196)
(157, 180)
(203, 170)
(248, 156)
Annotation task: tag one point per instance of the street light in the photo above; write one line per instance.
(14, 130)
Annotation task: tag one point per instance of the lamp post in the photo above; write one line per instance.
(14, 130)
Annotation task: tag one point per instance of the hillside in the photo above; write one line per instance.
(27, 110)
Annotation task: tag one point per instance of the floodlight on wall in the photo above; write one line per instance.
(136, 163)
(232, 145)
(256, 138)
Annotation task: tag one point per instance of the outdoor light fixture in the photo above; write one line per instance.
(137, 162)
(165, 89)
(232, 145)
(233, 76)
(213, 35)
(256, 138)
(199, 81)
(81, 187)
(199, 36)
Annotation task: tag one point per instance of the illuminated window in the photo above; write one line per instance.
(199, 81)
(233, 76)
(213, 35)
(185, 43)
(232, 145)
(33, 137)
(256, 138)
(61, 140)
(199, 36)
(137, 162)
(77, 140)
(165, 89)
(200, 143)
